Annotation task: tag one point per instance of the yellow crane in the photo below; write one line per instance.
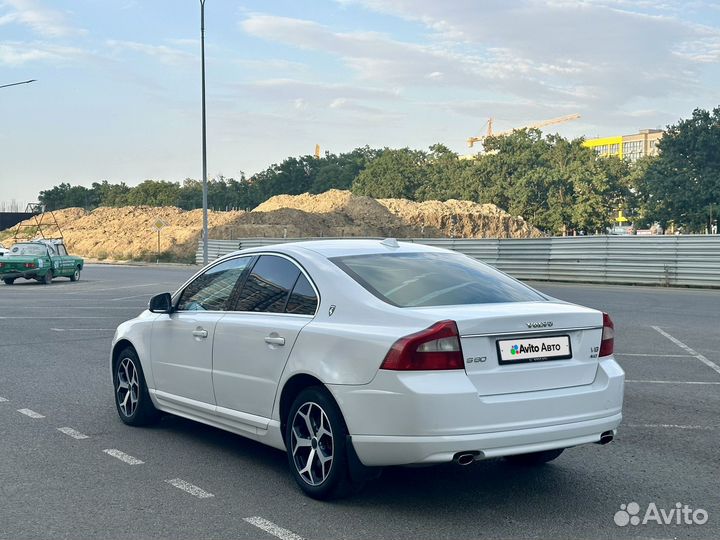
(552, 121)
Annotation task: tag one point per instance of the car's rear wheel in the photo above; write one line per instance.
(535, 458)
(9, 281)
(76, 274)
(131, 394)
(47, 280)
(316, 438)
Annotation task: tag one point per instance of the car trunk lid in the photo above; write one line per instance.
(526, 326)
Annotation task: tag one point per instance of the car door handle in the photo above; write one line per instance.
(200, 333)
(275, 340)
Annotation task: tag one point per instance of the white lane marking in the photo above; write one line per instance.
(83, 329)
(64, 307)
(657, 355)
(30, 413)
(275, 530)
(668, 426)
(3, 400)
(668, 382)
(712, 365)
(122, 456)
(92, 291)
(128, 298)
(75, 434)
(190, 488)
(62, 317)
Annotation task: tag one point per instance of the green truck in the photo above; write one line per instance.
(42, 260)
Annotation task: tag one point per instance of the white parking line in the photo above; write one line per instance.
(275, 530)
(30, 413)
(657, 355)
(128, 298)
(3, 400)
(669, 382)
(668, 426)
(75, 434)
(83, 329)
(190, 488)
(122, 456)
(61, 317)
(92, 291)
(708, 363)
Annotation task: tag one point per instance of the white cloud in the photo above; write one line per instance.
(15, 53)
(42, 20)
(163, 53)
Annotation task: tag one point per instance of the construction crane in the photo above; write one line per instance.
(560, 120)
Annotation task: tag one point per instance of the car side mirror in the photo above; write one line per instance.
(161, 303)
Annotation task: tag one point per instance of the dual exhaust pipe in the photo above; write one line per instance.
(466, 458)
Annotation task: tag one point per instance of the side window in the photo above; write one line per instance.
(268, 286)
(210, 291)
(303, 300)
(62, 251)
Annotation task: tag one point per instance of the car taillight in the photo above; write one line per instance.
(608, 336)
(437, 347)
(29, 265)
(2, 265)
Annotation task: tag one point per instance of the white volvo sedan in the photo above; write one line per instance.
(351, 355)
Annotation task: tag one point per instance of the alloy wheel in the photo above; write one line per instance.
(128, 386)
(312, 443)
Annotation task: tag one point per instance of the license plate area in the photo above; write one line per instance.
(536, 349)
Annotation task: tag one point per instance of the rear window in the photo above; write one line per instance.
(433, 279)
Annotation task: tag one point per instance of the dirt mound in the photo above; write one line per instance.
(461, 219)
(128, 232)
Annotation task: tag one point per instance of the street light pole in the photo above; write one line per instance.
(204, 143)
(17, 83)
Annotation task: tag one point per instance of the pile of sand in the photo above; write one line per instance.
(128, 232)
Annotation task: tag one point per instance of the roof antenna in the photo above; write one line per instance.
(390, 242)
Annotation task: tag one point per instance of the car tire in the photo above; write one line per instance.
(9, 281)
(535, 458)
(315, 430)
(76, 274)
(132, 398)
(47, 280)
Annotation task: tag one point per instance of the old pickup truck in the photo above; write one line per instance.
(41, 260)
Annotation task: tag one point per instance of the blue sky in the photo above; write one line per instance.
(118, 93)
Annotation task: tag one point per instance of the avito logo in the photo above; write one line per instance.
(530, 348)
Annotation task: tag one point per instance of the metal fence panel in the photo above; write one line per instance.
(688, 260)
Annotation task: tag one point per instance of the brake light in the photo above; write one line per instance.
(29, 265)
(607, 344)
(437, 347)
(2, 265)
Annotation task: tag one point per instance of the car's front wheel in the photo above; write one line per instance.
(535, 458)
(9, 281)
(131, 394)
(316, 438)
(76, 274)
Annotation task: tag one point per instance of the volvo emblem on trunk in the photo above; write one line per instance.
(543, 324)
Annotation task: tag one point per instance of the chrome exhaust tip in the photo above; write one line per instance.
(606, 437)
(466, 458)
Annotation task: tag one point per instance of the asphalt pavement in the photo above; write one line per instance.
(69, 468)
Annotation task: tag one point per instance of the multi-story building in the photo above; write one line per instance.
(630, 147)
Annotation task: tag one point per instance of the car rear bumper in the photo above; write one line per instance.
(415, 418)
(388, 450)
(14, 275)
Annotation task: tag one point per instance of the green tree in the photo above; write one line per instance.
(683, 183)
(394, 174)
(154, 193)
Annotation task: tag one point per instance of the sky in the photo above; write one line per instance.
(117, 95)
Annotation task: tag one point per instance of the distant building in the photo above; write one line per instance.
(630, 147)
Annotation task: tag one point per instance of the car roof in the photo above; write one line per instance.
(346, 247)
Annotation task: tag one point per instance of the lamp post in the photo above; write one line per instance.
(17, 83)
(204, 143)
